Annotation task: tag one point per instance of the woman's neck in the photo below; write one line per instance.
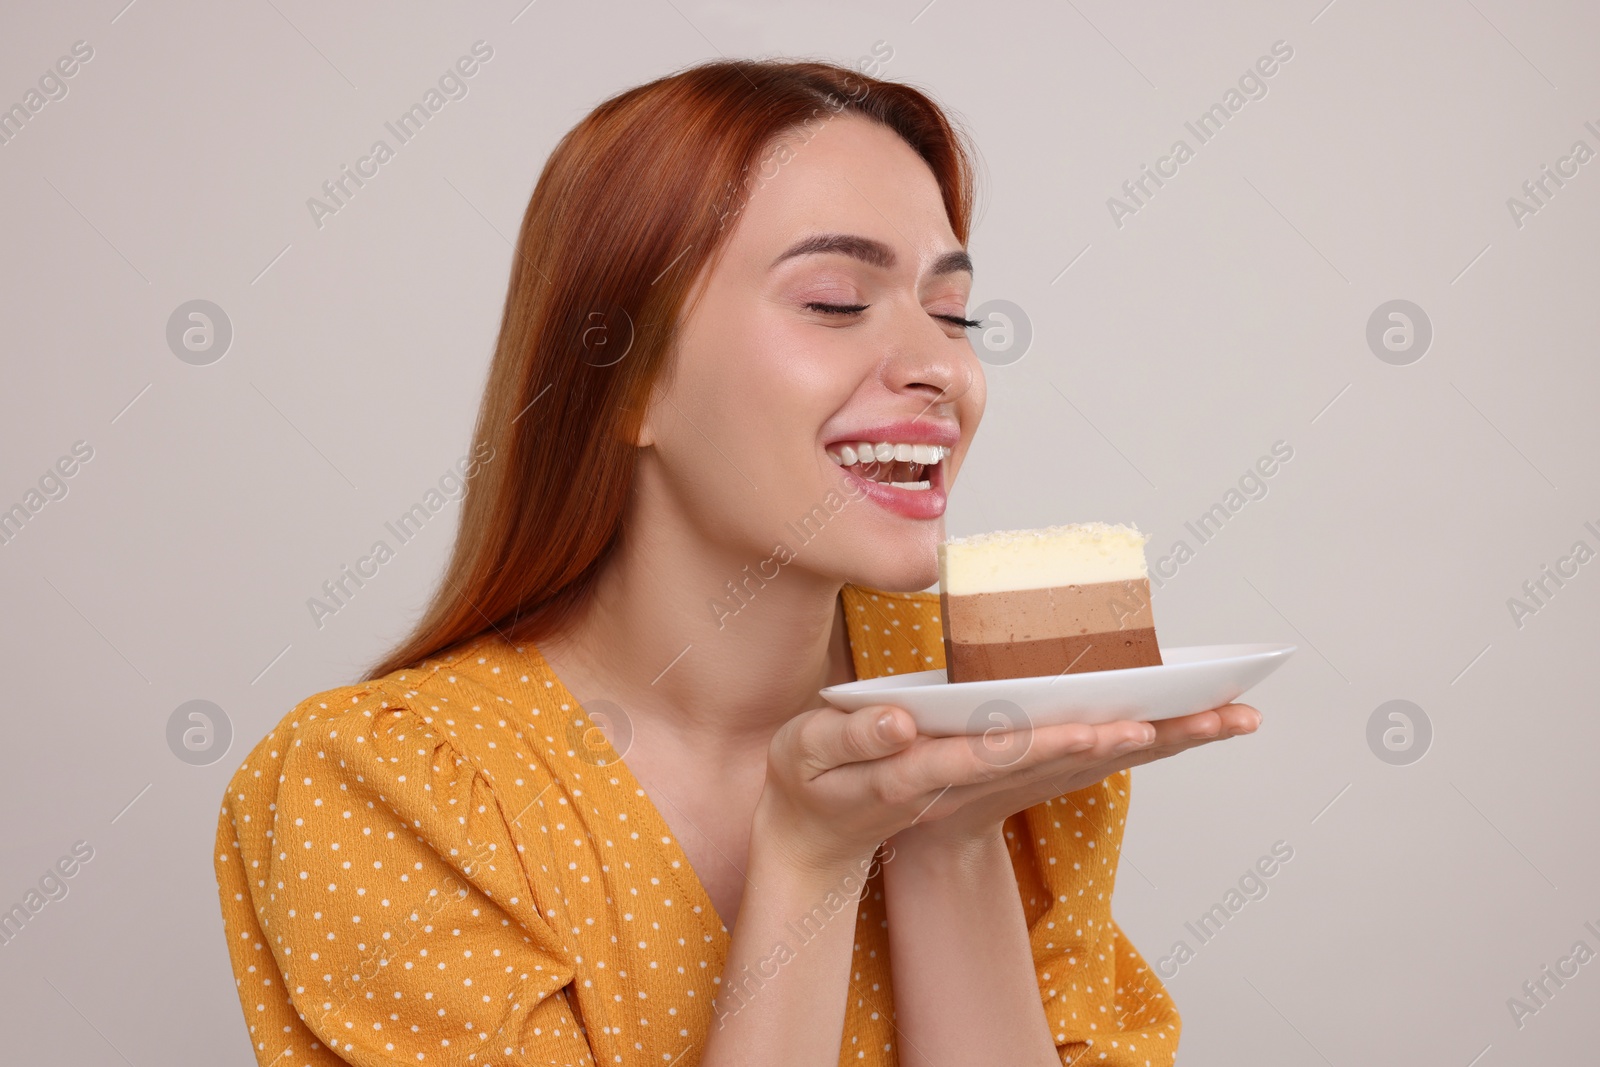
(669, 642)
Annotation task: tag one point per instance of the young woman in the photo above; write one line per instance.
(593, 810)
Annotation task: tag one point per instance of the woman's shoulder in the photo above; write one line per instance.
(341, 706)
(466, 708)
(415, 805)
(451, 753)
(320, 714)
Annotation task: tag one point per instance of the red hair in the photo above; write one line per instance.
(632, 204)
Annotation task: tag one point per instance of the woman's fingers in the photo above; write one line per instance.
(1191, 731)
(934, 764)
(1030, 745)
(1229, 720)
(939, 775)
(926, 767)
(1016, 757)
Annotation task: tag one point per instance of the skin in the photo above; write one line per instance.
(774, 796)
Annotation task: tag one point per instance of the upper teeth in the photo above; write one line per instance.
(886, 451)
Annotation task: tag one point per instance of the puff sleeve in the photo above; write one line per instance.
(376, 907)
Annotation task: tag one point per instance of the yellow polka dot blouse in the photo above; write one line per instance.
(451, 865)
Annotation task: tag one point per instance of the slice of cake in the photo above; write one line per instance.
(1058, 600)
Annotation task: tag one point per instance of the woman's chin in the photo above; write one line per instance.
(856, 541)
(902, 574)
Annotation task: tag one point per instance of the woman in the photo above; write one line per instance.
(732, 288)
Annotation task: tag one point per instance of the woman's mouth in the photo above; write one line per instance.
(903, 478)
(894, 464)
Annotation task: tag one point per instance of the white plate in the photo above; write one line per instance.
(1190, 679)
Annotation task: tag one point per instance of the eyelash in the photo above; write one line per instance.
(852, 309)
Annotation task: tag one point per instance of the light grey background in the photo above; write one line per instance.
(1168, 354)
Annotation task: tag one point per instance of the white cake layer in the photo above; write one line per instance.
(1077, 553)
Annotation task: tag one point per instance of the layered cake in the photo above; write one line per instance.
(1058, 600)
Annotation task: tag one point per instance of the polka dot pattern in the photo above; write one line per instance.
(421, 869)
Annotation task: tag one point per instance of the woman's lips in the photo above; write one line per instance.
(926, 503)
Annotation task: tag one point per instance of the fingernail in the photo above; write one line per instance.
(890, 728)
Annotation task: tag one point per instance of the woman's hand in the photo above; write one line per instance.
(1091, 754)
(839, 783)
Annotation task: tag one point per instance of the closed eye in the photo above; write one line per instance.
(855, 309)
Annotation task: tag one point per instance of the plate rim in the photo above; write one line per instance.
(1268, 650)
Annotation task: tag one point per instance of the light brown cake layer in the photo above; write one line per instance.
(1035, 614)
(1028, 633)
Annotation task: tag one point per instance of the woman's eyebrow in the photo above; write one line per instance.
(869, 251)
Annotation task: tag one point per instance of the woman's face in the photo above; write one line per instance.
(773, 388)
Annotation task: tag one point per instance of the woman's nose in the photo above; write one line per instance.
(936, 368)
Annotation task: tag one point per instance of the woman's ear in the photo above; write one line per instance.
(658, 404)
(645, 434)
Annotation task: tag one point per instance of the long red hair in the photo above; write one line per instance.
(632, 204)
